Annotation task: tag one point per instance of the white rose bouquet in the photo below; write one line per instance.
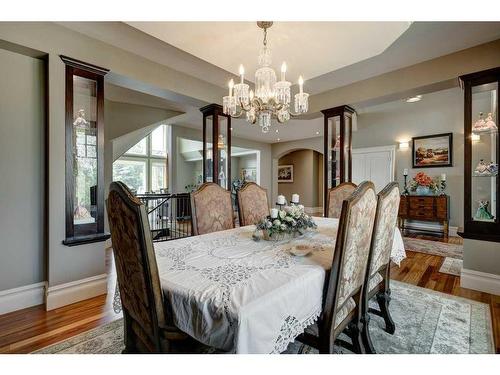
(291, 220)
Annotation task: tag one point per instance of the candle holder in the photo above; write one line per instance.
(442, 187)
(294, 203)
(405, 191)
(280, 205)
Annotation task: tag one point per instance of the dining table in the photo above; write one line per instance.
(241, 295)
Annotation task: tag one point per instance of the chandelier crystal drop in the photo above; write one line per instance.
(272, 98)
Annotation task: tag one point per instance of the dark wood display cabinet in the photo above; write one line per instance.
(337, 137)
(216, 146)
(84, 153)
(481, 155)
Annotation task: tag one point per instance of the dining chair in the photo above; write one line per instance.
(148, 328)
(336, 196)
(378, 273)
(252, 204)
(344, 283)
(212, 209)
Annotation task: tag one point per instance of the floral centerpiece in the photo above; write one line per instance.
(422, 184)
(291, 221)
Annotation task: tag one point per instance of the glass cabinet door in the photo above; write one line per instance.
(484, 139)
(84, 151)
(333, 152)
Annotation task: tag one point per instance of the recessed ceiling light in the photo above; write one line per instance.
(278, 139)
(317, 133)
(277, 131)
(414, 99)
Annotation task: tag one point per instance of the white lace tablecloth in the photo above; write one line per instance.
(233, 293)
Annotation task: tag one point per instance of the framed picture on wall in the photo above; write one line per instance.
(285, 173)
(249, 174)
(432, 151)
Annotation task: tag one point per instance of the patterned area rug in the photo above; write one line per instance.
(434, 247)
(426, 322)
(452, 266)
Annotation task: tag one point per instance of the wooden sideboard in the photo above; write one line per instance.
(425, 208)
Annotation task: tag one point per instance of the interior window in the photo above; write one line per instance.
(143, 167)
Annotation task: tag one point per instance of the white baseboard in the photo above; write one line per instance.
(452, 231)
(482, 281)
(22, 297)
(74, 291)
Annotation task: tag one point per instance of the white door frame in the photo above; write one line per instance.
(391, 149)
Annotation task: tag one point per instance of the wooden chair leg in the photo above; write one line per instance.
(130, 347)
(365, 335)
(383, 299)
(357, 341)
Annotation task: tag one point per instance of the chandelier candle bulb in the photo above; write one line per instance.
(443, 176)
(283, 71)
(301, 84)
(231, 84)
(295, 198)
(242, 73)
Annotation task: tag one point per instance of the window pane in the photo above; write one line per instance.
(158, 141)
(139, 149)
(132, 173)
(158, 175)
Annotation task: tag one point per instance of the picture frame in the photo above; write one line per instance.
(432, 151)
(285, 173)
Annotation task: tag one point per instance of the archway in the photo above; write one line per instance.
(307, 181)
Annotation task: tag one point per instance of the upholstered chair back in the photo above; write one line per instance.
(136, 267)
(336, 196)
(352, 249)
(252, 204)
(212, 209)
(385, 226)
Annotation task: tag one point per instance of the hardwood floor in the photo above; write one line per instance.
(30, 329)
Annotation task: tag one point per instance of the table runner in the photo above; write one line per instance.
(236, 294)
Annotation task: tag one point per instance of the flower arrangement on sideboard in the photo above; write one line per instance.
(422, 184)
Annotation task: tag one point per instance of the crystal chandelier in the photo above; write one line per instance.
(271, 98)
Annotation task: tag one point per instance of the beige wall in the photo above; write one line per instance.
(306, 177)
(22, 253)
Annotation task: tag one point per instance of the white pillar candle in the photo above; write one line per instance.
(443, 176)
(405, 172)
(281, 199)
(274, 213)
(295, 198)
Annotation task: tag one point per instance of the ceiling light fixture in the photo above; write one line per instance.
(271, 98)
(414, 99)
